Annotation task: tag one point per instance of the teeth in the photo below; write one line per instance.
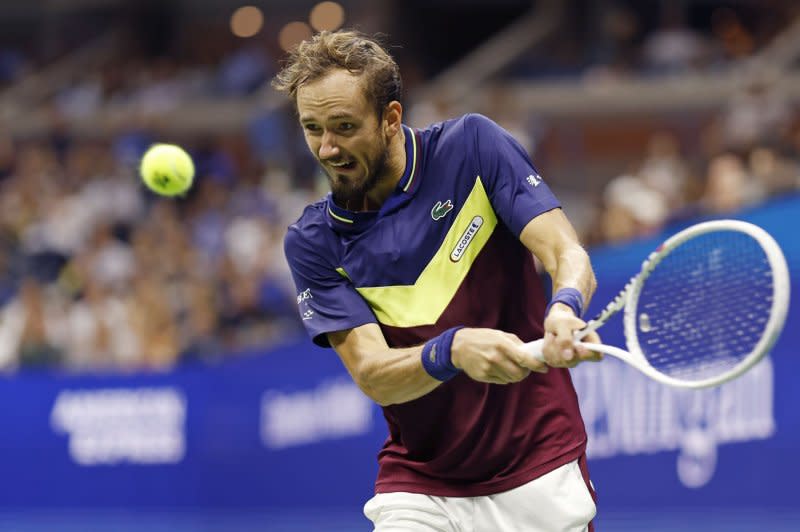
(340, 164)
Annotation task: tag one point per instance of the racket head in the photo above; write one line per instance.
(708, 304)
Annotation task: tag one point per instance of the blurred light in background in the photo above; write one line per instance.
(246, 21)
(292, 34)
(327, 16)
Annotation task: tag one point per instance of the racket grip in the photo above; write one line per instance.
(535, 349)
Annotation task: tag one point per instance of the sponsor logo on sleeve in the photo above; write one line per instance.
(303, 301)
(304, 296)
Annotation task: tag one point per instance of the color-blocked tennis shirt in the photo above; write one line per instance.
(443, 250)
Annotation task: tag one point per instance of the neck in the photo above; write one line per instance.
(395, 168)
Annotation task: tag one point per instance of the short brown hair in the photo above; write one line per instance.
(345, 49)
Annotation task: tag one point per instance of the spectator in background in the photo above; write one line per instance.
(614, 51)
(632, 209)
(100, 334)
(201, 328)
(29, 328)
(665, 170)
(772, 171)
(674, 47)
(728, 186)
(7, 155)
(154, 323)
(759, 113)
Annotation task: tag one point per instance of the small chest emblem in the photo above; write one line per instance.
(441, 209)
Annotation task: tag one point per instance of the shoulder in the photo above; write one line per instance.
(467, 124)
(459, 136)
(310, 233)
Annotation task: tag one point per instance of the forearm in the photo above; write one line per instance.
(552, 239)
(572, 269)
(387, 375)
(396, 376)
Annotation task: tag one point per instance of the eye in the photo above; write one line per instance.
(346, 126)
(313, 128)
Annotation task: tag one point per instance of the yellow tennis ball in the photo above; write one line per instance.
(167, 169)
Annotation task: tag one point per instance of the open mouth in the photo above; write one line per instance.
(348, 165)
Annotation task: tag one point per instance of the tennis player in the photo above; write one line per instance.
(417, 270)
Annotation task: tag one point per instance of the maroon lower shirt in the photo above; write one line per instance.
(469, 438)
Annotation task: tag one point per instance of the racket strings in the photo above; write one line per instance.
(706, 305)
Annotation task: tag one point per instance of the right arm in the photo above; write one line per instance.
(396, 375)
(335, 314)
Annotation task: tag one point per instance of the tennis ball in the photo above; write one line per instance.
(167, 170)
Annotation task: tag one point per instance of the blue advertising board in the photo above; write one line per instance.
(288, 427)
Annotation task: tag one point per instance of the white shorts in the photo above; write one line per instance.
(558, 501)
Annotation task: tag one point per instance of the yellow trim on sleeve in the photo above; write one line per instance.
(424, 302)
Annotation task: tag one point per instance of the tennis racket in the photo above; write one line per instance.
(706, 306)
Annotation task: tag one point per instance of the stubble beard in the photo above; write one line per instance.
(349, 194)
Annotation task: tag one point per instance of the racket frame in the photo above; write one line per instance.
(772, 330)
(628, 298)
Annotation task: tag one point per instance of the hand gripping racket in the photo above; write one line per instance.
(707, 305)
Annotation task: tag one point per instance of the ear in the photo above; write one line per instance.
(392, 118)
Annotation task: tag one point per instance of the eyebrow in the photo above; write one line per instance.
(339, 116)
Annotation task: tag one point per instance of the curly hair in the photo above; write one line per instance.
(344, 49)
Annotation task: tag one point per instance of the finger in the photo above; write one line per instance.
(496, 379)
(564, 330)
(514, 338)
(533, 364)
(556, 356)
(550, 350)
(588, 355)
(565, 353)
(525, 361)
(591, 337)
(510, 371)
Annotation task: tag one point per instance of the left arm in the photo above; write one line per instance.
(551, 237)
(528, 208)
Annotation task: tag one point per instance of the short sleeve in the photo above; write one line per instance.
(517, 191)
(326, 300)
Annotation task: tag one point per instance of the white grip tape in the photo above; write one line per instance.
(535, 349)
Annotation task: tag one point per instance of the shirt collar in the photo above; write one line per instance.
(346, 221)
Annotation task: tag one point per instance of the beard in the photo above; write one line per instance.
(348, 192)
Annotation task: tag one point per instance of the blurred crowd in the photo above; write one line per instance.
(747, 152)
(98, 274)
(623, 38)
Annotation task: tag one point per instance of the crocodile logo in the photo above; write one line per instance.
(440, 210)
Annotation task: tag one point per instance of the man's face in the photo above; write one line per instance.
(344, 133)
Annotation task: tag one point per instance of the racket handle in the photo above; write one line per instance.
(535, 349)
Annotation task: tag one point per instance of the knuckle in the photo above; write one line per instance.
(492, 359)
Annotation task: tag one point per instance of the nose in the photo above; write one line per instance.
(328, 148)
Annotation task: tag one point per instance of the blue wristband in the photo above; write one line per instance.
(571, 297)
(436, 356)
